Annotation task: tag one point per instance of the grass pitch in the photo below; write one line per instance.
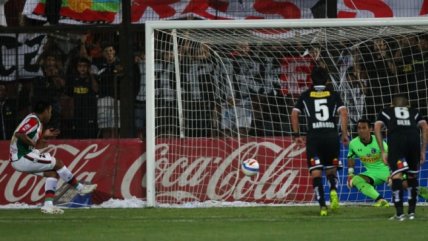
(211, 224)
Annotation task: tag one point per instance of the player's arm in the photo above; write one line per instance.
(22, 136)
(379, 139)
(424, 128)
(50, 132)
(351, 165)
(295, 126)
(343, 111)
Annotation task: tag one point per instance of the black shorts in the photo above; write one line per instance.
(322, 150)
(404, 153)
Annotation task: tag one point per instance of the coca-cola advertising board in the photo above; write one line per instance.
(188, 169)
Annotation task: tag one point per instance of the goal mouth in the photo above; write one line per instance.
(220, 92)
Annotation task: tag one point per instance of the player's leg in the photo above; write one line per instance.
(364, 184)
(42, 164)
(315, 169)
(331, 174)
(50, 189)
(375, 178)
(329, 153)
(317, 184)
(68, 177)
(422, 191)
(397, 166)
(412, 158)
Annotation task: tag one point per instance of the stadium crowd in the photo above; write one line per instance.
(80, 73)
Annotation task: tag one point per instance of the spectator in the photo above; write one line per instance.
(83, 88)
(378, 69)
(108, 106)
(7, 114)
(199, 88)
(140, 100)
(166, 113)
(237, 112)
(50, 86)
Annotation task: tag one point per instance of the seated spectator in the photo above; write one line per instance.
(7, 114)
(83, 87)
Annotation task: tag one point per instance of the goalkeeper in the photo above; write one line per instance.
(365, 147)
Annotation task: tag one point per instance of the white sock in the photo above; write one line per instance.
(65, 174)
(50, 184)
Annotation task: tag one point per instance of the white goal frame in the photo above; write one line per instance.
(151, 26)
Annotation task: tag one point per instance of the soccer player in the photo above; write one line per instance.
(321, 105)
(365, 148)
(406, 153)
(26, 157)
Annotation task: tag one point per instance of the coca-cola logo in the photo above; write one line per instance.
(196, 177)
(20, 185)
(182, 174)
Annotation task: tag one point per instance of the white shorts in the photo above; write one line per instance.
(35, 163)
(106, 113)
(241, 113)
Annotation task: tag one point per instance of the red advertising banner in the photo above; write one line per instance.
(188, 169)
(381, 8)
(143, 10)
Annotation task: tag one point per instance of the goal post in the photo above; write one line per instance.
(219, 92)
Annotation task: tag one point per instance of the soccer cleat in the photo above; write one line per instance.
(334, 200)
(52, 210)
(400, 218)
(323, 211)
(381, 203)
(411, 216)
(423, 193)
(87, 188)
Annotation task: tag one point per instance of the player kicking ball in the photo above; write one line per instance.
(25, 156)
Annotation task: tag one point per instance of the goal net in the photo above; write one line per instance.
(221, 92)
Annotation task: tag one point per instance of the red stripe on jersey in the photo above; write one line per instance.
(31, 123)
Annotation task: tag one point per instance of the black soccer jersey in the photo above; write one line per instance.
(321, 109)
(397, 119)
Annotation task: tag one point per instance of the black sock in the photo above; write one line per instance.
(413, 194)
(332, 179)
(397, 195)
(319, 190)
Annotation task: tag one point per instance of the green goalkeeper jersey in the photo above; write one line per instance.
(369, 154)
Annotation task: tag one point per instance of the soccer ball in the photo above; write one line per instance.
(250, 167)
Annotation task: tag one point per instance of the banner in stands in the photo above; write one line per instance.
(203, 173)
(91, 11)
(19, 54)
(381, 8)
(296, 74)
(143, 10)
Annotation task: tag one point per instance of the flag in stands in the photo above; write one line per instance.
(84, 10)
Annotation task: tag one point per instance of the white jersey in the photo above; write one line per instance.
(32, 127)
